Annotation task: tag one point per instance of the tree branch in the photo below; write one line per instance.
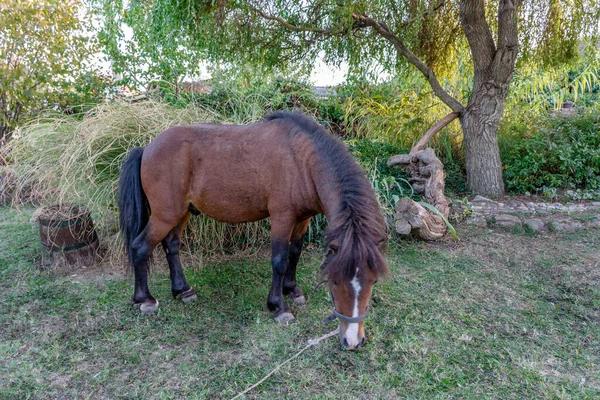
(508, 40)
(507, 23)
(383, 30)
(431, 132)
(477, 31)
(295, 28)
(430, 11)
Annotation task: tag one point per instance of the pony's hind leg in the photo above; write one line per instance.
(290, 288)
(171, 244)
(142, 248)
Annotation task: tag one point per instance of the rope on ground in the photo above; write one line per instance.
(312, 342)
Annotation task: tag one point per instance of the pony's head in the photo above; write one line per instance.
(352, 266)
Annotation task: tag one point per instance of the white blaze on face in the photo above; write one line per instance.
(352, 331)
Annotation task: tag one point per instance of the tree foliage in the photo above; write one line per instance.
(283, 32)
(431, 35)
(554, 32)
(42, 52)
(158, 51)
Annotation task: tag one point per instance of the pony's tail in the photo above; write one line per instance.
(134, 210)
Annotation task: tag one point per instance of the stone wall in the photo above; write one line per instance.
(537, 217)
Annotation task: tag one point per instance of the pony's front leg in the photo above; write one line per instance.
(280, 237)
(290, 288)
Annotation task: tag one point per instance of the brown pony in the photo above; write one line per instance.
(286, 167)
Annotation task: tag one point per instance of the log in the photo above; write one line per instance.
(427, 177)
(414, 219)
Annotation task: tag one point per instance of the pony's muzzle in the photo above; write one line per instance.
(351, 343)
(354, 346)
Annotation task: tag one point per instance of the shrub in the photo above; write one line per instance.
(559, 152)
(246, 103)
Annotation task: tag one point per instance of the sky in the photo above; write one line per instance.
(324, 75)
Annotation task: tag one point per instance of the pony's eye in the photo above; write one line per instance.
(335, 283)
(332, 249)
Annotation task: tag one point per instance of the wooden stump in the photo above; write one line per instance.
(68, 236)
(427, 178)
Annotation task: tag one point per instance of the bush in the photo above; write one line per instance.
(246, 103)
(558, 152)
(389, 183)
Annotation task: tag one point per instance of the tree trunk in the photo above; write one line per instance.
(480, 126)
(493, 63)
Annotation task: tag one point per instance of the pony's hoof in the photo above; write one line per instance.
(149, 306)
(299, 301)
(285, 318)
(188, 296)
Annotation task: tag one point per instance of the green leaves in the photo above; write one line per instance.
(42, 46)
(561, 152)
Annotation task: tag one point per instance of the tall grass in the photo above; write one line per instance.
(541, 89)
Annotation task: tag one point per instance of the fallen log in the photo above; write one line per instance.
(427, 177)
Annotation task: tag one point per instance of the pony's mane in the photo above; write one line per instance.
(358, 230)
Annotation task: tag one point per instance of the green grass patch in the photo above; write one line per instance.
(496, 315)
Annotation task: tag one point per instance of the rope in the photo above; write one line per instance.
(312, 342)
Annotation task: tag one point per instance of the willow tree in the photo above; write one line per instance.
(424, 34)
(159, 52)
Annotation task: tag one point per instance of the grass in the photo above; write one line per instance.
(494, 315)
